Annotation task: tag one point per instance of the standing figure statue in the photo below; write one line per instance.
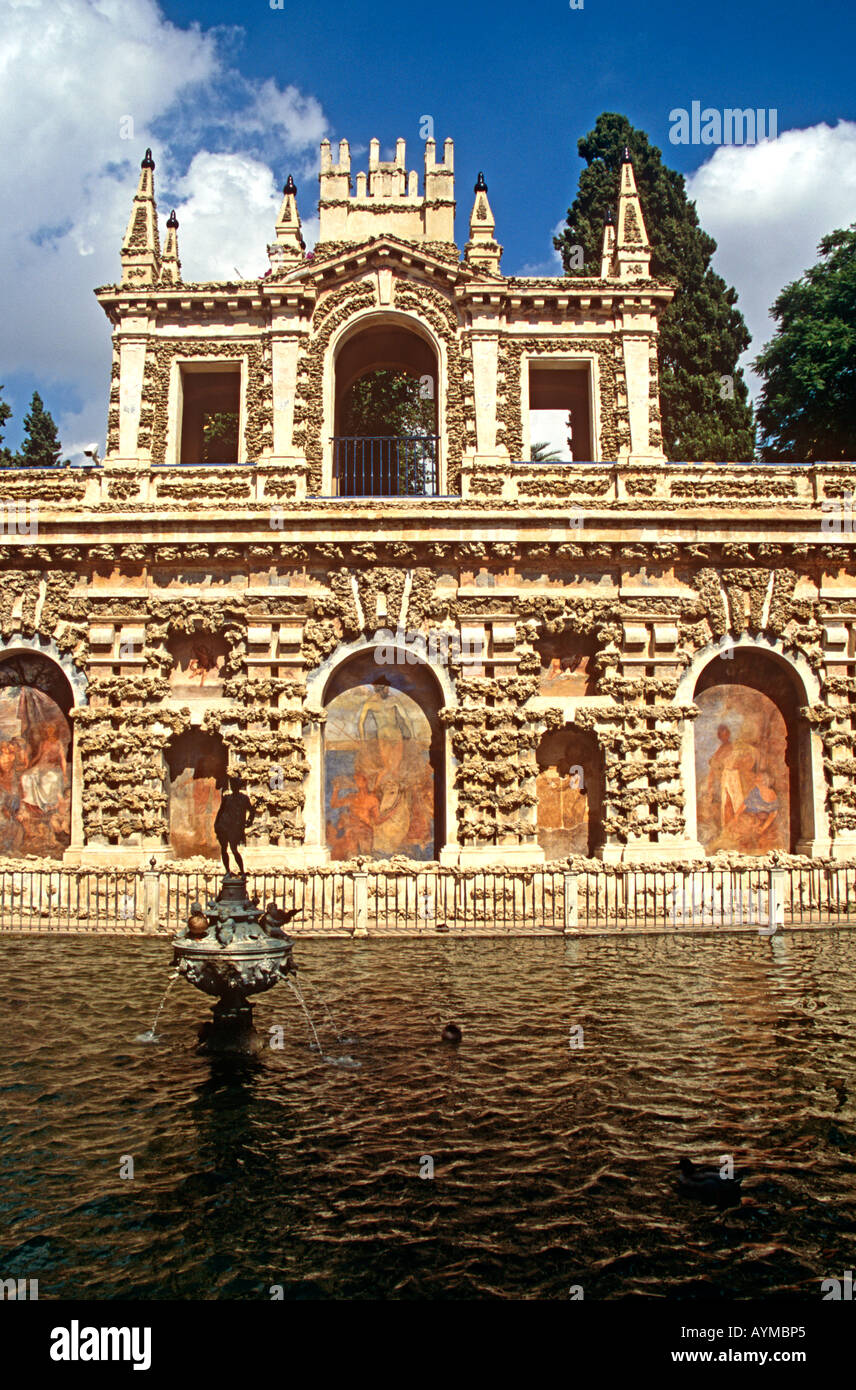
(230, 824)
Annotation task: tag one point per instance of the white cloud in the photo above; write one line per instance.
(768, 205)
(72, 75)
(226, 217)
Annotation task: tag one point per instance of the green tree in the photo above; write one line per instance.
(704, 400)
(381, 408)
(220, 437)
(41, 442)
(7, 458)
(386, 402)
(807, 407)
(543, 452)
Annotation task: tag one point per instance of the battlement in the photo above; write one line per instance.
(387, 198)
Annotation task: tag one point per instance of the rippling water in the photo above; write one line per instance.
(553, 1165)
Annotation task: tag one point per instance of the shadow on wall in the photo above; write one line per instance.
(198, 765)
(569, 790)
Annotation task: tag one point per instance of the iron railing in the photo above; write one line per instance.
(384, 901)
(386, 465)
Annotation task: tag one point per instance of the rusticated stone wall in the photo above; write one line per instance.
(329, 596)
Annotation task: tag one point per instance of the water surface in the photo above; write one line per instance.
(553, 1165)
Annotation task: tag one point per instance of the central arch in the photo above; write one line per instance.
(383, 788)
(398, 450)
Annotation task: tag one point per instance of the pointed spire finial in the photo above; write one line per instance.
(625, 158)
(170, 271)
(288, 249)
(482, 251)
(141, 258)
(608, 218)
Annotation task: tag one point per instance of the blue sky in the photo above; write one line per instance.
(235, 97)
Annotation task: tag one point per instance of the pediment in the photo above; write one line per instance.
(408, 259)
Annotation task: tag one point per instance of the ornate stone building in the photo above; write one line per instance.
(416, 641)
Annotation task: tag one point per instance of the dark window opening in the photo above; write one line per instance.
(560, 413)
(210, 415)
(385, 442)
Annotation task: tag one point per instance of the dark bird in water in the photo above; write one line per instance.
(197, 922)
(708, 1185)
(451, 1033)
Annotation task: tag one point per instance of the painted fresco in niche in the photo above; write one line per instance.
(742, 777)
(35, 774)
(198, 661)
(379, 782)
(197, 775)
(569, 793)
(567, 666)
(563, 811)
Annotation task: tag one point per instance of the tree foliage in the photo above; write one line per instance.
(220, 437)
(704, 400)
(385, 402)
(807, 407)
(544, 452)
(7, 458)
(41, 447)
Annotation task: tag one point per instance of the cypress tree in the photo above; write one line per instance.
(807, 408)
(7, 458)
(41, 442)
(702, 333)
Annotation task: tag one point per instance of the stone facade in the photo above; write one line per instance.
(564, 628)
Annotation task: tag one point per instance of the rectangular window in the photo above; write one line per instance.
(210, 412)
(560, 411)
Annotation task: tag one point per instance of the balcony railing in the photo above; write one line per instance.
(385, 465)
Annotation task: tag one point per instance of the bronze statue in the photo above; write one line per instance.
(273, 919)
(230, 824)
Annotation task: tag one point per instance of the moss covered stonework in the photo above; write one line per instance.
(663, 580)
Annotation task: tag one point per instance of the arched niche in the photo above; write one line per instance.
(752, 756)
(375, 457)
(384, 776)
(567, 664)
(569, 790)
(36, 700)
(197, 765)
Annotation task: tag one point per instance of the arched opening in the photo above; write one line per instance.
(752, 756)
(569, 790)
(384, 781)
(35, 756)
(197, 764)
(385, 414)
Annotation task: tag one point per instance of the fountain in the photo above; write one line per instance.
(231, 949)
(239, 953)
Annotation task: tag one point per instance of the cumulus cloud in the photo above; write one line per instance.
(768, 205)
(226, 216)
(85, 86)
